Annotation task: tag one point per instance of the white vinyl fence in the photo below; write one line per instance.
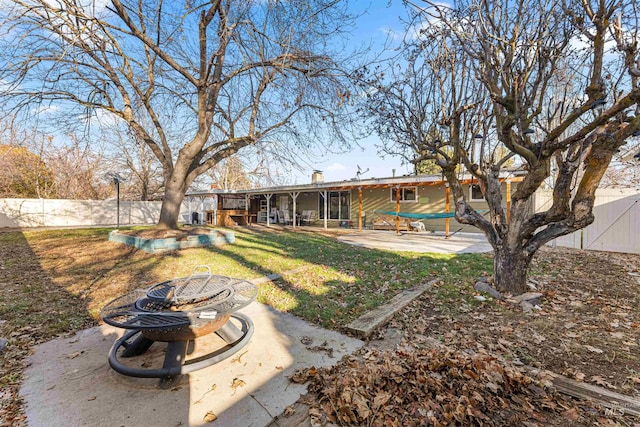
(617, 222)
(62, 213)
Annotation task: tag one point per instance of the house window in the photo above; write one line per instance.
(475, 193)
(338, 204)
(234, 203)
(408, 194)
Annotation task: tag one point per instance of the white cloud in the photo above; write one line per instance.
(336, 167)
(105, 118)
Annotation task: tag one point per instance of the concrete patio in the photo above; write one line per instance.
(69, 382)
(435, 242)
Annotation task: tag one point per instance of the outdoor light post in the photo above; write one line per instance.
(117, 179)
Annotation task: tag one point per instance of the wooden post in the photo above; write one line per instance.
(216, 203)
(294, 196)
(359, 208)
(447, 207)
(247, 202)
(268, 197)
(397, 210)
(508, 201)
(326, 214)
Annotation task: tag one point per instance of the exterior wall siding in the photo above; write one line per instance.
(431, 199)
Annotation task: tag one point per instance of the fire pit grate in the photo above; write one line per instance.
(177, 311)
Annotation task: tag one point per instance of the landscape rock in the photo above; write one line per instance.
(533, 298)
(3, 344)
(526, 306)
(484, 287)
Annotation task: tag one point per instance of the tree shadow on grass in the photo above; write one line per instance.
(339, 282)
(55, 286)
(32, 310)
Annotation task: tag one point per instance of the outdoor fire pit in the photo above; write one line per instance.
(177, 312)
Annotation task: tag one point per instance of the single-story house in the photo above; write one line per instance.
(402, 202)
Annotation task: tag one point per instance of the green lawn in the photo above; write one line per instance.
(332, 283)
(55, 282)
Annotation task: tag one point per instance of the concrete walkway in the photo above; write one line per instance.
(69, 382)
(419, 241)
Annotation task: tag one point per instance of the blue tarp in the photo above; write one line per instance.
(433, 215)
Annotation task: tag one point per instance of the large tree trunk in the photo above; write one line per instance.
(174, 191)
(510, 265)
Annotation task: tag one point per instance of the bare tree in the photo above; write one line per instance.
(78, 170)
(551, 86)
(232, 174)
(210, 77)
(134, 159)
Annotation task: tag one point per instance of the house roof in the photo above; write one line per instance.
(397, 181)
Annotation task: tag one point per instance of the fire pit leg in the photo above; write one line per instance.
(140, 345)
(229, 333)
(173, 360)
(174, 363)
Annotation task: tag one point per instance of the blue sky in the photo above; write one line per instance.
(378, 19)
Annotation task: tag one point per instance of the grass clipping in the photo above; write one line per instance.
(436, 387)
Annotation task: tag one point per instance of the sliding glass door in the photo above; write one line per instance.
(338, 204)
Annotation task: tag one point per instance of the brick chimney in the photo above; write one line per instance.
(317, 177)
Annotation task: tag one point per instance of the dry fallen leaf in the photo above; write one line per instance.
(381, 399)
(594, 349)
(237, 359)
(289, 410)
(571, 414)
(493, 387)
(210, 417)
(579, 376)
(74, 354)
(301, 376)
(602, 382)
(237, 382)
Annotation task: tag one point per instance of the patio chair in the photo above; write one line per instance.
(286, 219)
(417, 226)
(307, 217)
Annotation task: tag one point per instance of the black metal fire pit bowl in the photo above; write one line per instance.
(176, 312)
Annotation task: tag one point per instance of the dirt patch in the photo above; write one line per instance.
(180, 234)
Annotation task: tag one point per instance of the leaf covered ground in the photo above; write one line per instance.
(587, 328)
(439, 387)
(55, 282)
(459, 363)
